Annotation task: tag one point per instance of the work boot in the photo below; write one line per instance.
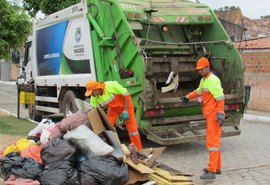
(208, 175)
(218, 172)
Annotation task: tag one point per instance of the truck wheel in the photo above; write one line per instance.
(69, 104)
(33, 113)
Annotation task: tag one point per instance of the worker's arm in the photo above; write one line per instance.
(217, 91)
(192, 94)
(125, 104)
(116, 88)
(93, 102)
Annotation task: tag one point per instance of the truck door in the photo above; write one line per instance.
(27, 65)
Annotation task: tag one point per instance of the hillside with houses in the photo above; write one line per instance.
(240, 27)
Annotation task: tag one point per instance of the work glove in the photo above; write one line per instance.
(124, 116)
(184, 100)
(220, 117)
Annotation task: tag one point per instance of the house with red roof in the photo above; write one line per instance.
(256, 57)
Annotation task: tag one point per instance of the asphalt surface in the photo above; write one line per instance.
(245, 158)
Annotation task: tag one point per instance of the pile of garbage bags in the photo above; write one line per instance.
(64, 153)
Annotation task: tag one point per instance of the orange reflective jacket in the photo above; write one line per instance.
(212, 92)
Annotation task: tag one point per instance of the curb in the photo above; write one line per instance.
(8, 82)
(249, 117)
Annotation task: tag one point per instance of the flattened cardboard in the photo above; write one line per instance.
(139, 167)
(100, 122)
(135, 176)
(95, 121)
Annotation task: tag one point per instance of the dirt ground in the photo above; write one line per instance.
(6, 140)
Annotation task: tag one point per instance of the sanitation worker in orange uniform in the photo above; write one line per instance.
(114, 96)
(213, 111)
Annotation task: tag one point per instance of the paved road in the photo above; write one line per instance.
(246, 158)
(8, 99)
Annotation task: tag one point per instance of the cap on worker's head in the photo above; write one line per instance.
(90, 86)
(202, 63)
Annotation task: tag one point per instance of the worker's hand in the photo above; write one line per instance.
(184, 100)
(220, 117)
(124, 116)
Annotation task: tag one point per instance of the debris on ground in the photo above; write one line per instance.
(83, 149)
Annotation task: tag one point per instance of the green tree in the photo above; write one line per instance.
(46, 6)
(265, 17)
(15, 26)
(31, 6)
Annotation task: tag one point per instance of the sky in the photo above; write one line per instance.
(252, 9)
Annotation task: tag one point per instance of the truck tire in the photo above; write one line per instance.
(69, 104)
(33, 113)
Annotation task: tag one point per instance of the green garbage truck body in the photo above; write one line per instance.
(150, 47)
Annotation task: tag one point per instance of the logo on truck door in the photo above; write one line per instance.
(62, 48)
(78, 35)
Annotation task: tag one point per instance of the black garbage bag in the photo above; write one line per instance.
(105, 170)
(62, 174)
(59, 159)
(58, 150)
(13, 164)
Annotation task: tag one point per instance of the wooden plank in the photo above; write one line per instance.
(156, 152)
(139, 167)
(171, 177)
(172, 170)
(161, 181)
(125, 149)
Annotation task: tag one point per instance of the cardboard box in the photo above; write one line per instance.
(135, 176)
(100, 122)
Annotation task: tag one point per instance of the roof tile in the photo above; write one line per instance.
(258, 43)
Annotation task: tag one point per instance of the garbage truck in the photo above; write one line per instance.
(150, 47)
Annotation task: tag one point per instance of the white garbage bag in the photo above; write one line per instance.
(89, 143)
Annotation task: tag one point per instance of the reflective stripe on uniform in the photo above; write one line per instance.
(111, 88)
(133, 133)
(211, 84)
(205, 89)
(220, 98)
(107, 101)
(198, 92)
(213, 149)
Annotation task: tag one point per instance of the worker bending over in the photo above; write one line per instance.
(213, 111)
(114, 96)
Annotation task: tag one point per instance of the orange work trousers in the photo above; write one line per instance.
(213, 142)
(134, 135)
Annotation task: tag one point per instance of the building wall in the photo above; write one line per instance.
(14, 72)
(257, 75)
(4, 71)
(9, 71)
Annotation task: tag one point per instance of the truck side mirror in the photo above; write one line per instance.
(16, 57)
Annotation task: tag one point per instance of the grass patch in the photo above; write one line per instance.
(10, 125)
